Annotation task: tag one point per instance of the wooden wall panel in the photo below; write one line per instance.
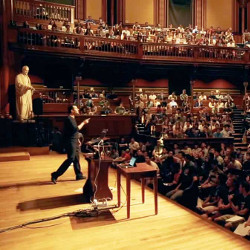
(219, 13)
(141, 12)
(94, 8)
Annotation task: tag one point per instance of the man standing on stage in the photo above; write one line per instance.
(71, 137)
(24, 92)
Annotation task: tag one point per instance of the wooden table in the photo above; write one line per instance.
(141, 171)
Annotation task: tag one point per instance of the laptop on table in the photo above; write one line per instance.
(131, 163)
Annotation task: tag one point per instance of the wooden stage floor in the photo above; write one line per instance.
(26, 194)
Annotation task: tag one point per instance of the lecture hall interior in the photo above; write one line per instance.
(125, 124)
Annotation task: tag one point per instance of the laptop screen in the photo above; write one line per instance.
(132, 161)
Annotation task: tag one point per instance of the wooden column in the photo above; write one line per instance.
(4, 70)
(162, 12)
(192, 94)
(198, 13)
(120, 12)
(104, 10)
(79, 9)
(133, 95)
(243, 5)
(245, 87)
(78, 79)
(112, 12)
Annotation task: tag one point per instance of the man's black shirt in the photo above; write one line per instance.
(70, 130)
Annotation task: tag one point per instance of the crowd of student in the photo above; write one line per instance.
(176, 120)
(212, 181)
(147, 33)
(143, 33)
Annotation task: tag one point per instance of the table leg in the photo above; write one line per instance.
(119, 187)
(128, 183)
(143, 189)
(156, 194)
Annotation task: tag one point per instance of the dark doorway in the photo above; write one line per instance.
(180, 12)
(179, 80)
(111, 12)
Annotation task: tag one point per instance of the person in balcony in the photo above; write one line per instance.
(126, 31)
(89, 20)
(102, 32)
(120, 110)
(79, 30)
(173, 104)
(136, 26)
(184, 97)
(172, 96)
(26, 24)
(88, 31)
(202, 97)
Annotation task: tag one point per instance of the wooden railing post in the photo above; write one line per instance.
(72, 16)
(192, 94)
(246, 57)
(140, 50)
(81, 40)
(196, 53)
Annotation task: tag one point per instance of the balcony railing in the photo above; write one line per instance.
(24, 10)
(54, 41)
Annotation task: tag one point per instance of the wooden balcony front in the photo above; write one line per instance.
(56, 42)
(26, 10)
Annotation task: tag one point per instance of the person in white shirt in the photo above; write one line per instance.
(102, 32)
(152, 97)
(173, 104)
(226, 131)
(126, 31)
(218, 95)
(212, 105)
(195, 30)
(133, 145)
(202, 97)
(220, 105)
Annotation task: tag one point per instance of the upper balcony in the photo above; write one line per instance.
(69, 44)
(56, 42)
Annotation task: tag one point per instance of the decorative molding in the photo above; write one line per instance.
(243, 3)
